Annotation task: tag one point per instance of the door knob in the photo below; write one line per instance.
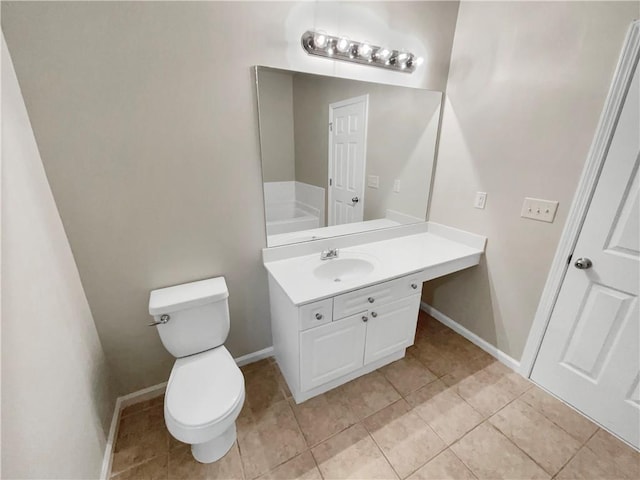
(364, 318)
(371, 299)
(583, 263)
(355, 199)
(374, 314)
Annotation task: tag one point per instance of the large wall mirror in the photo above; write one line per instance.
(343, 156)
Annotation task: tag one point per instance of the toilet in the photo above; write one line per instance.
(205, 392)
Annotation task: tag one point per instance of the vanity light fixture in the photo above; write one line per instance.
(342, 48)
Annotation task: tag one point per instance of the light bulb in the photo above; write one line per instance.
(343, 45)
(319, 39)
(365, 50)
(383, 54)
(418, 61)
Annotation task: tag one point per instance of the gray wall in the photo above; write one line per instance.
(56, 398)
(145, 116)
(275, 100)
(527, 84)
(401, 139)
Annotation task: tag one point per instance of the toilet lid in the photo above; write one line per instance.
(203, 388)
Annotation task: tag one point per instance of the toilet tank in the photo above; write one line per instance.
(193, 317)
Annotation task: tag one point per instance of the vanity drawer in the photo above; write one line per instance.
(365, 298)
(370, 297)
(315, 314)
(410, 285)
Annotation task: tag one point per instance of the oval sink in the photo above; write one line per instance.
(343, 269)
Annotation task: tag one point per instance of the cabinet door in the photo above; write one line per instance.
(391, 327)
(331, 351)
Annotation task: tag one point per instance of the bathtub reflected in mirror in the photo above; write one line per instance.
(342, 156)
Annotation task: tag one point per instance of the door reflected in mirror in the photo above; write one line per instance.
(343, 156)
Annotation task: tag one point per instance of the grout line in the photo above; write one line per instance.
(382, 452)
(522, 450)
(461, 461)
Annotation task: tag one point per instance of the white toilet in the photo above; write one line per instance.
(205, 392)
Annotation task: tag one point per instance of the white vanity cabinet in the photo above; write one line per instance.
(326, 343)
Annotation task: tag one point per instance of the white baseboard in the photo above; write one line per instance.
(254, 357)
(472, 337)
(149, 393)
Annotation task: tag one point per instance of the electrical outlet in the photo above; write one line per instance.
(396, 186)
(481, 200)
(538, 209)
(373, 181)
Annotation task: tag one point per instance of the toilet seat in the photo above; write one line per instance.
(205, 395)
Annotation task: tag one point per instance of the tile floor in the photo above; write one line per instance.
(447, 410)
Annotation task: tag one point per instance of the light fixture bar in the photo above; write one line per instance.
(341, 48)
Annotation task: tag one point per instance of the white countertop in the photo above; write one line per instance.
(437, 252)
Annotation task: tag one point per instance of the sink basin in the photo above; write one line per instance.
(343, 269)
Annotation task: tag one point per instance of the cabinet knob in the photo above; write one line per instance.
(371, 299)
(364, 318)
(318, 316)
(414, 285)
(374, 314)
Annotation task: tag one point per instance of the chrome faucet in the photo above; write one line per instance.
(329, 254)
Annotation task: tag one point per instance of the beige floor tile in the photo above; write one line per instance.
(154, 469)
(269, 438)
(572, 422)
(404, 438)
(263, 385)
(182, 465)
(444, 351)
(541, 439)
(141, 436)
(446, 466)
(284, 388)
(407, 375)
(140, 406)
(586, 465)
(489, 454)
(445, 412)
(467, 369)
(491, 388)
(626, 459)
(368, 394)
(302, 467)
(323, 416)
(352, 454)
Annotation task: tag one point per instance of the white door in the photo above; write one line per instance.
(331, 351)
(391, 327)
(347, 157)
(590, 354)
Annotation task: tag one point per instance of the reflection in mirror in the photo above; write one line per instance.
(342, 156)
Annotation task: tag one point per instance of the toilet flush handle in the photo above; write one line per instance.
(163, 319)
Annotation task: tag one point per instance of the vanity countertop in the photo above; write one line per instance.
(439, 251)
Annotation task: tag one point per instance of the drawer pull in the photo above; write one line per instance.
(374, 314)
(318, 316)
(364, 318)
(371, 299)
(414, 286)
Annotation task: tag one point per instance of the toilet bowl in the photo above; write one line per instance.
(205, 392)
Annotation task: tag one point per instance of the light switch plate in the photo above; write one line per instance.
(396, 186)
(538, 209)
(373, 181)
(481, 200)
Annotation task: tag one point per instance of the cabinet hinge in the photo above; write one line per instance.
(331, 126)
(569, 259)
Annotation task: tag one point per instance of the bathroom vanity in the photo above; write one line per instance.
(334, 320)
(337, 177)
